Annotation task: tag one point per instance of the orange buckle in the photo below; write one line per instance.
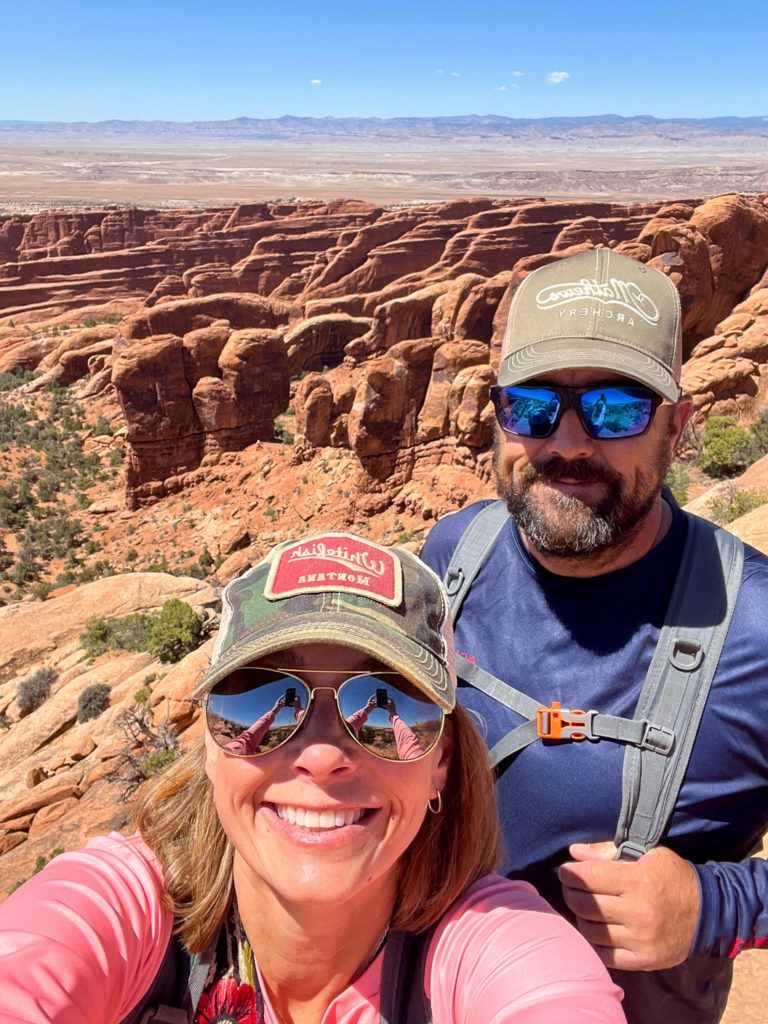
(553, 723)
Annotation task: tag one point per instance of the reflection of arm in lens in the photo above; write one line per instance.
(358, 718)
(298, 710)
(406, 742)
(248, 741)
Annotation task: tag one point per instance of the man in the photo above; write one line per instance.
(568, 607)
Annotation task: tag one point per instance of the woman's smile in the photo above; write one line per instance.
(316, 819)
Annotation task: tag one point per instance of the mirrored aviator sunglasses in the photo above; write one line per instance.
(254, 711)
(607, 411)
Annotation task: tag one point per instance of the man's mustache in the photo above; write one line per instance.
(554, 467)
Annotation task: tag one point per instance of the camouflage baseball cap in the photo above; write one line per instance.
(598, 309)
(339, 589)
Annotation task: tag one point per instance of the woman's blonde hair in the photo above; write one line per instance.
(177, 818)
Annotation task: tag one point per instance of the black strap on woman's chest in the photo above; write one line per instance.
(403, 997)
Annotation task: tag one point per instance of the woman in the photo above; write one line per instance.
(340, 803)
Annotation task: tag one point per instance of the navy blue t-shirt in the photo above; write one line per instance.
(588, 642)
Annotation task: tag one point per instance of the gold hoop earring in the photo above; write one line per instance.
(439, 799)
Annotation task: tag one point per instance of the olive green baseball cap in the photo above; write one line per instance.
(598, 309)
(337, 588)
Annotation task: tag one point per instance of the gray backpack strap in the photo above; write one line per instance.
(403, 998)
(471, 551)
(539, 723)
(677, 685)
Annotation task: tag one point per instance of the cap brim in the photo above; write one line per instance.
(398, 652)
(553, 354)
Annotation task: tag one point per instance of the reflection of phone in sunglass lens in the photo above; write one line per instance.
(382, 698)
(290, 696)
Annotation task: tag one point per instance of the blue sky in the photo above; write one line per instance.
(168, 60)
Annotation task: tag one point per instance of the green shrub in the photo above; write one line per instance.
(130, 633)
(133, 632)
(5, 722)
(92, 702)
(153, 763)
(96, 637)
(759, 431)
(678, 480)
(728, 449)
(142, 696)
(13, 379)
(36, 690)
(103, 426)
(176, 632)
(283, 434)
(41, 591)
(733, 502)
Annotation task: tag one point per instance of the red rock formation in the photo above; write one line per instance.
(322, 340)
(385, 412)
(314, 411)
(188, 400)
(406, 306)
(714, 254)
(449, 360)
(727, 374)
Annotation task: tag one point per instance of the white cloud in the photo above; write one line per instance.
(501, 88)
(518, 74)
(316, 81)
(455, 74)
(439, 71)
(556, 77)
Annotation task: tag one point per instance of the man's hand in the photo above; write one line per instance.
(639, 916)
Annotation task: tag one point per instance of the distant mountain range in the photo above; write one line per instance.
(470, 126)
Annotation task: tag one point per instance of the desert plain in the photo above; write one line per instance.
(73, 170)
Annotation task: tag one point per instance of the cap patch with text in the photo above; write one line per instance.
(337, 562)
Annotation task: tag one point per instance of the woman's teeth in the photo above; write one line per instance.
(317, 819)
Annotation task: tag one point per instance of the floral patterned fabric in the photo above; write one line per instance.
(232, 994)
(227, 1002)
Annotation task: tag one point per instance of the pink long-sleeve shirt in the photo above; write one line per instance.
(81, 942)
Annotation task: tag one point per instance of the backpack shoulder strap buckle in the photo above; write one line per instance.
(630, 851)
(556, 723)
(656, 738)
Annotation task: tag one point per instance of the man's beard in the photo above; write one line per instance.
(566, 526)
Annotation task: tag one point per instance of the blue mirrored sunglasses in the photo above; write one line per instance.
(607, 411)
(255, 710)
